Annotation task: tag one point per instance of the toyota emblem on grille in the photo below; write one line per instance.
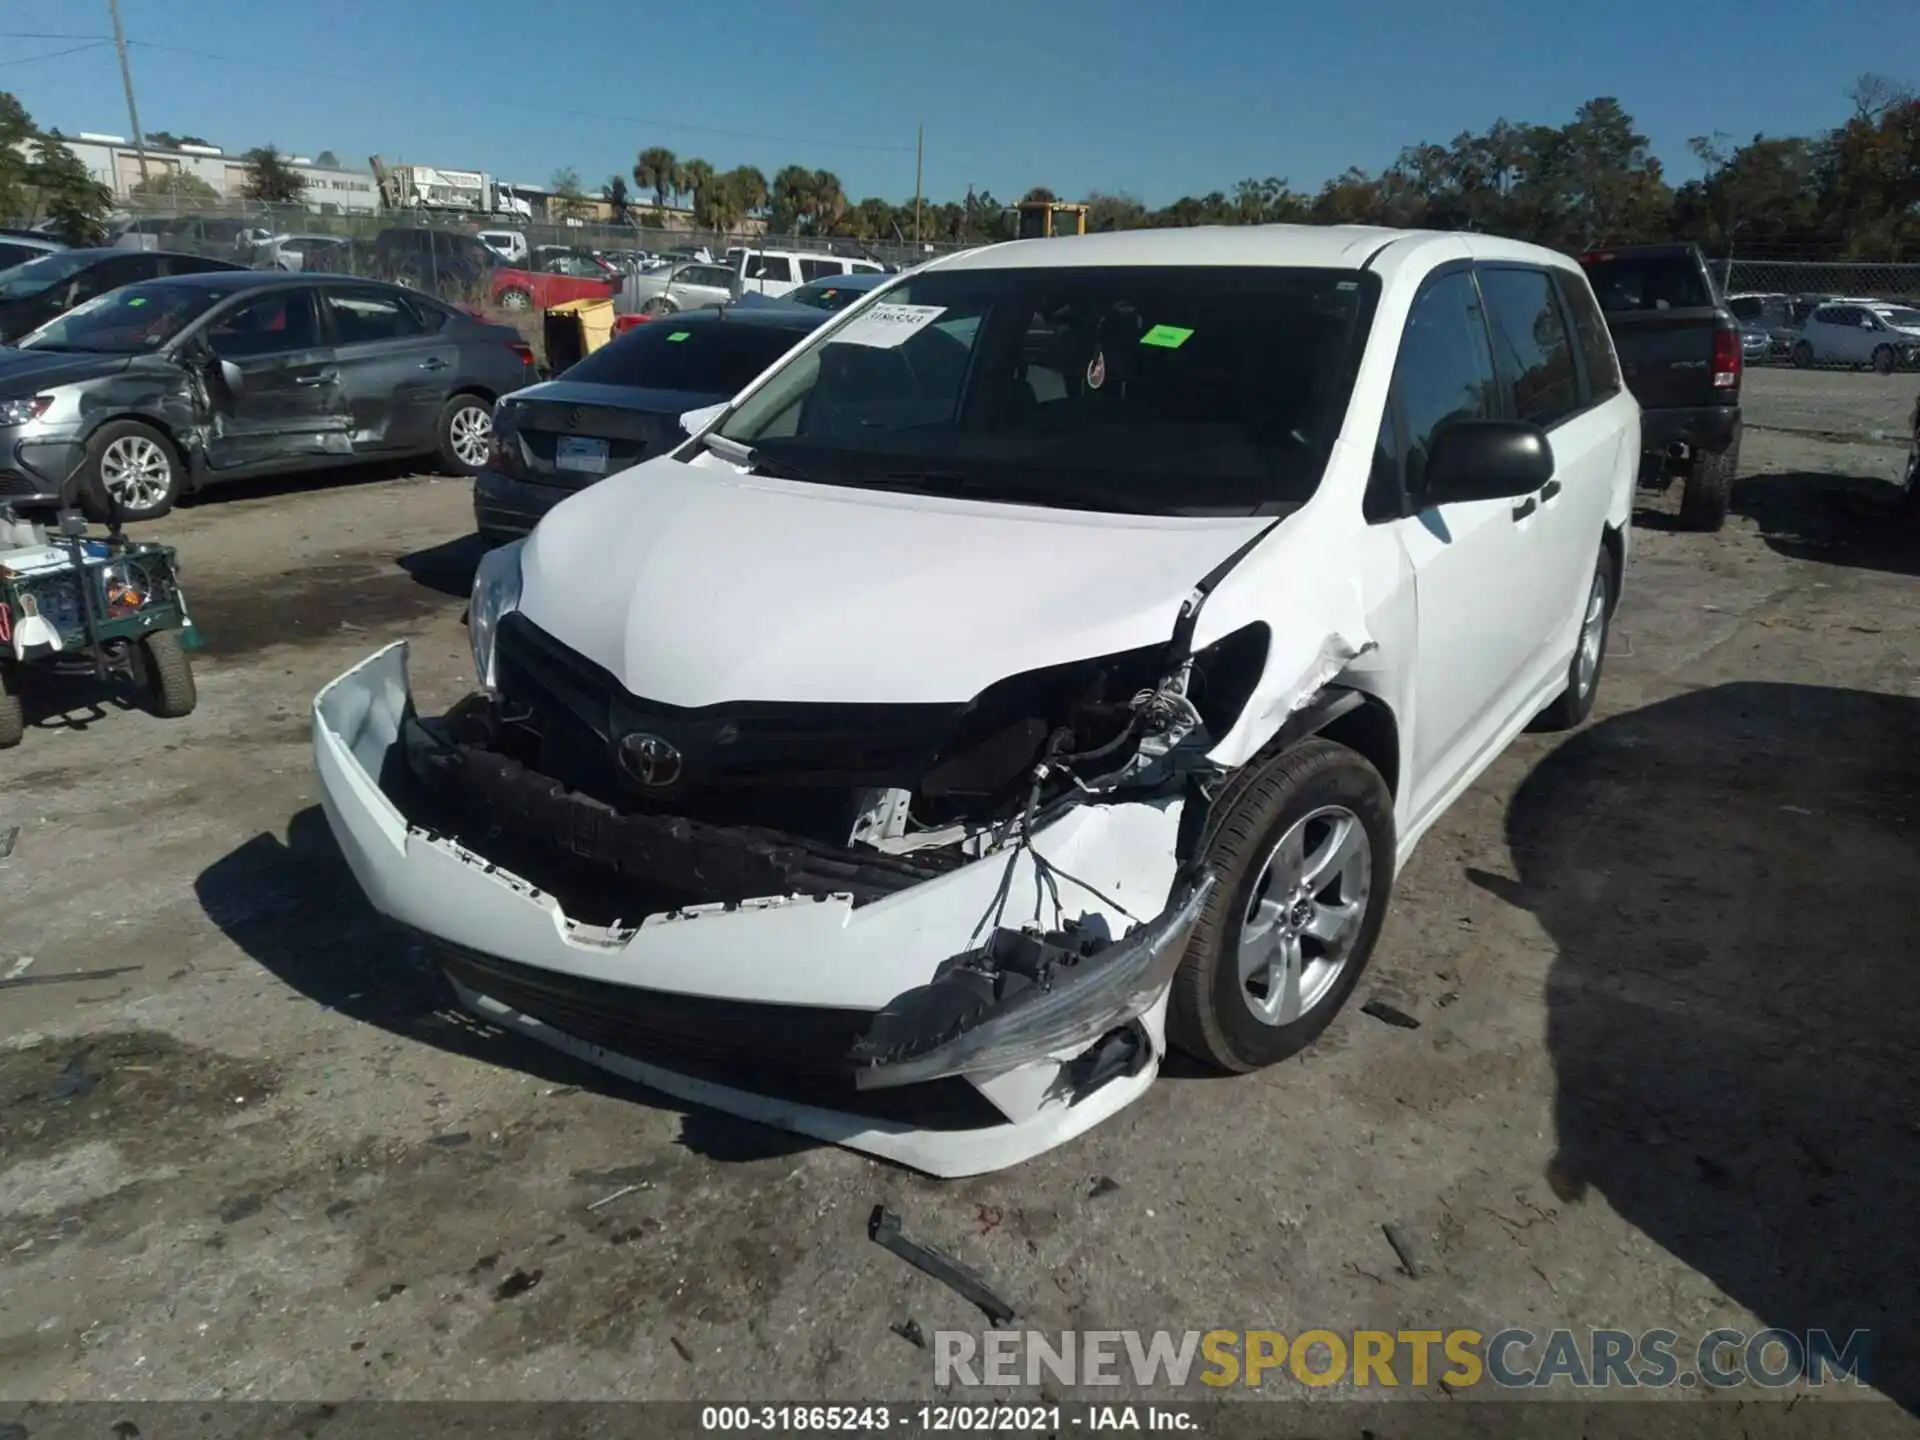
(653, 762)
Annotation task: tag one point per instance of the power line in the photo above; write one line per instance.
(56, 54)
(46, 35)
(638, 120)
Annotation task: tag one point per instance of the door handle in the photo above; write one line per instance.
(319, 377)
(1525, 508)
(433, 362)
(1549, 490)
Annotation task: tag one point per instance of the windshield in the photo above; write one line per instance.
(1903, 317)
(709, 358)
(1159, 390)
(128, 321)
(37, 275)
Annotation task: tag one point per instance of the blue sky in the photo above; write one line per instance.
(1157, 99)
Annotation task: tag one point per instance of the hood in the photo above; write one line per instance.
(31, 369)
(696, 585)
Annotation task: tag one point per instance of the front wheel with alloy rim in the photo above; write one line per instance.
(1575, 702)
(515, 300)
(131, 467)
(1803, 355)
(657, 306)
(1883, 360)
(1304, 850)
(466, 434)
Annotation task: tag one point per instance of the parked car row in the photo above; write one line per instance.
(1820, 329)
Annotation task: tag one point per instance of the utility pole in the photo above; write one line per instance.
(919, 156)
(126, 79)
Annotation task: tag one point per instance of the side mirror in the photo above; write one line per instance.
(1486, 460)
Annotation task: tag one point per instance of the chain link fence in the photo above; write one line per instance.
(1853, 280)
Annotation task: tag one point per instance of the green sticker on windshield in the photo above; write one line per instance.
(678, 335)
(136, 300)
(1168, 337)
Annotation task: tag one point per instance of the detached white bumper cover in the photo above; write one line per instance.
(637, 1000)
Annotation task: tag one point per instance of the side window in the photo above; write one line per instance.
(276, 324)
(1590, 333)
(362, 316)
(1532, 349)
(777, 268)
(861, 267)
(818, 269)
(1445, 370)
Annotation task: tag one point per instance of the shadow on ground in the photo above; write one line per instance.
(55, 702)
(1732, 881)
(296, 482)
(1834, 519)
(447, 567)
(295, 908)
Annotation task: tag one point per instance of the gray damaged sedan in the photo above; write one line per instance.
(154, 390)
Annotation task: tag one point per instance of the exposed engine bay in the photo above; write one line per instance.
(742, 801)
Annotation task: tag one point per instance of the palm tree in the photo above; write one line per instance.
(696, 177)
(749, 188)
(792, 188)
(826, 201)
(657, 169)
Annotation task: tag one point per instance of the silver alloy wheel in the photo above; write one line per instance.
(1593, 634)
(136, 471)
(515, 300)
(1305, 915)
(470, 432)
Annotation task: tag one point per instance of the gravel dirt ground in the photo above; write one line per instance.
(1665, 1073)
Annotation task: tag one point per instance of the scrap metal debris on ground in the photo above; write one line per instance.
(1390, 1014)
(1403, 1247)
(883, 1228)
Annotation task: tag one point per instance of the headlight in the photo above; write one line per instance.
(24, 412)
(496, 591)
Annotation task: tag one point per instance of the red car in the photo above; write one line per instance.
(538, 290)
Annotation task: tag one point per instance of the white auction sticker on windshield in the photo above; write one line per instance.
(885, 326)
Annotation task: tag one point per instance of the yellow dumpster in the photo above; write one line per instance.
(574, 329)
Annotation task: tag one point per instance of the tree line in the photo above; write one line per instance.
(1851, 192)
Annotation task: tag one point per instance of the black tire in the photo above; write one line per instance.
(1575, 703)
(124, 445)
(1703, 504)
(13, 714)
(658, 305)
(1802, 355)
(1883, 360)
(166, 675)
(1209, 1015)
(454, 445)
(514, 298)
